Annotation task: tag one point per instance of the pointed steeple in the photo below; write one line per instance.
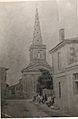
(37, 48)
(37, 38)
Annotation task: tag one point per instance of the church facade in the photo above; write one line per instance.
(38, 61)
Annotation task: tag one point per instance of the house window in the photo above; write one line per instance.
(75, 75)
(5, 76)
(72, 51)
(59, 60)
(59, 90)
(72, 54)
(53, 63)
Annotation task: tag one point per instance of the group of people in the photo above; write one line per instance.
(44, 99)
(40, 99)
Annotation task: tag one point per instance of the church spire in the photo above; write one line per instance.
(37, 38)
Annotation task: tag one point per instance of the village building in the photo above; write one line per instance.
(65, 71)
(38, 61)
(3, 84)
(16, 90)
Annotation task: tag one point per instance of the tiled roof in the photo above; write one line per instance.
(36, 66)
(62, 43)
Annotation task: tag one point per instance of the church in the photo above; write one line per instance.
(38, 61)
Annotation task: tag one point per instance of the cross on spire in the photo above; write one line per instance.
(37, 38)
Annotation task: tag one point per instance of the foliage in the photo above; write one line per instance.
(45, 80)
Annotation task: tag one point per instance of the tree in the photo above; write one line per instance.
(44, 81)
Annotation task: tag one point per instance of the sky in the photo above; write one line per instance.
(17, 26)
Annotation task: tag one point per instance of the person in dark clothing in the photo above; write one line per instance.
(45, 97)
(52, 98)
(34, 98)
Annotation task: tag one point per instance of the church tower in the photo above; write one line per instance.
(37, 49)
(31, 73)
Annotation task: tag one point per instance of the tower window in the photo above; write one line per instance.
(39, 55)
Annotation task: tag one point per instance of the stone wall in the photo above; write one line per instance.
(29, 82)
(69, 99)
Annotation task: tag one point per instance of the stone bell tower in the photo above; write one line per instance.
(37, 49)
(31, 73)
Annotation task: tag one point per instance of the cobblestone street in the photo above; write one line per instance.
(26, 108)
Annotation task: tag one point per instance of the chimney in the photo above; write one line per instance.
(61, 35)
